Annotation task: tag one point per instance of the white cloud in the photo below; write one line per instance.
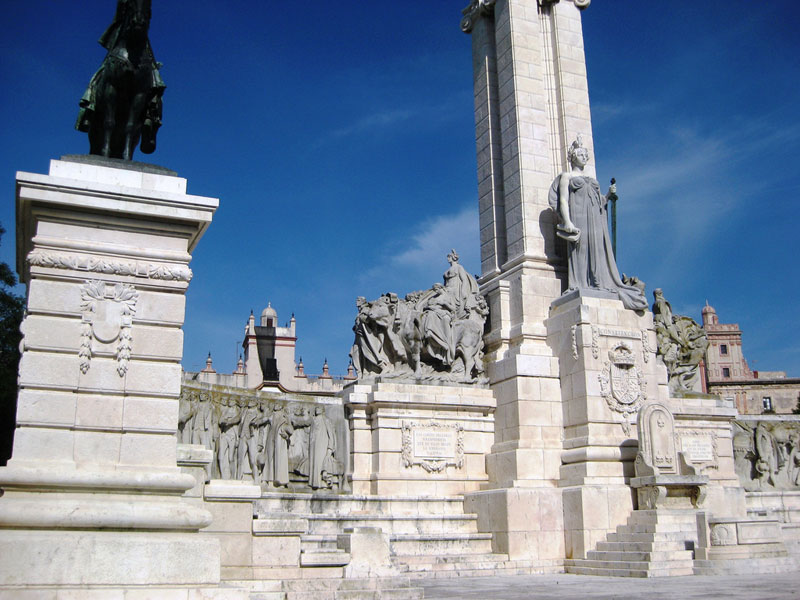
(419, 257)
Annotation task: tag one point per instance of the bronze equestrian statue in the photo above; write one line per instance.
(123, 101)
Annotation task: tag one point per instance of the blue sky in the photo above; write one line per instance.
(340, 141)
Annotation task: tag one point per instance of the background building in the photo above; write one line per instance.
(727, 372)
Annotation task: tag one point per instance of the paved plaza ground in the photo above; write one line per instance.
(783, 586)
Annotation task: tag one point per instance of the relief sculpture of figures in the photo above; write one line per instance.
(123, 101)
(581, 208)
(767, 454)
(682, 344)
(228, 439)
(187, 409)
(247, 436)
(273, 444)
(276, 463)
(431, 335)
(322, 445)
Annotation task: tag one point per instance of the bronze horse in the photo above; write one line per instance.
(123, 101)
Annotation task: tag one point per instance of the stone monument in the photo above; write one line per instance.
(122, 104)
(431, 335)
(682, 344)
(92, 493)
(420, 416)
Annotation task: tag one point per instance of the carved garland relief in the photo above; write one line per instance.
(94, 264)
(108, 311)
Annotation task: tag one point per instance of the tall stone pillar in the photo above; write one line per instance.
(531, 101)
(92, 494)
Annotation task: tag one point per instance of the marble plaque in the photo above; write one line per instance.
(433, 445)
(434, 442)
(698, 448)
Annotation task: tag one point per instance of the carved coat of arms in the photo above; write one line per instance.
(108, 311)
(622, 382)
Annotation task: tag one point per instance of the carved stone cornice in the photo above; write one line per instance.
(581, 4)
(95, 264)
(475, 10)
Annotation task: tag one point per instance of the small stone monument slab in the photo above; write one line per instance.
(663, 476)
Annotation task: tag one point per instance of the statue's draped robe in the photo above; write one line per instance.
(461, 285)
(591, 258)
(436, 326)
(276, 467)
(321, 448)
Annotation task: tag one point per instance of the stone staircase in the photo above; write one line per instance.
(651, 544)
(394, 588)
(428, 536)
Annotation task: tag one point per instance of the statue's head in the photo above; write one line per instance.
(452, 257)
(658, 293)
(319, 410)
(577, 153)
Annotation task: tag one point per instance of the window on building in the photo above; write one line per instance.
(726, 372)
(723, 349)
(767, 401)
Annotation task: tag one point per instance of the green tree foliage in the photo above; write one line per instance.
(12, 307)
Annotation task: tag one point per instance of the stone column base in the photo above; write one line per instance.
(526, 523)
(419, 439)
(106, 558)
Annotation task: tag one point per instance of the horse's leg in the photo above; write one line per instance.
(133, 126)
(109, 102)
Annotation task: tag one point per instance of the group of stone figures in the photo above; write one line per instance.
(270, 444)
(682, 345)
(432, 335)
(767, 454)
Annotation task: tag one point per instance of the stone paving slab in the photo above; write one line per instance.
(783, 586)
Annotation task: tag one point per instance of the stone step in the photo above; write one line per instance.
(386, 594)
(454, 564)
(432, 559)
(650, 556)
(624, 572)
(773, 564)
(379, 588)
(309, 542)
(400, 524)
(453, 543)
(658, 537)
(344, 504)
(657, 527)
(324, 558)
(664, 515)
(641, 546)
(683, 566)
(257, 585)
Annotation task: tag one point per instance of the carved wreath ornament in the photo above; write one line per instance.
(108, 311)
(622, 383)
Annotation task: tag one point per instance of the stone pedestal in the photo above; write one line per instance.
(608, 370)
(92, 493)
(418, 439)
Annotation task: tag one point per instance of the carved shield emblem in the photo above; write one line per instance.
(621, 381)
(624, 383)
(108, 311)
